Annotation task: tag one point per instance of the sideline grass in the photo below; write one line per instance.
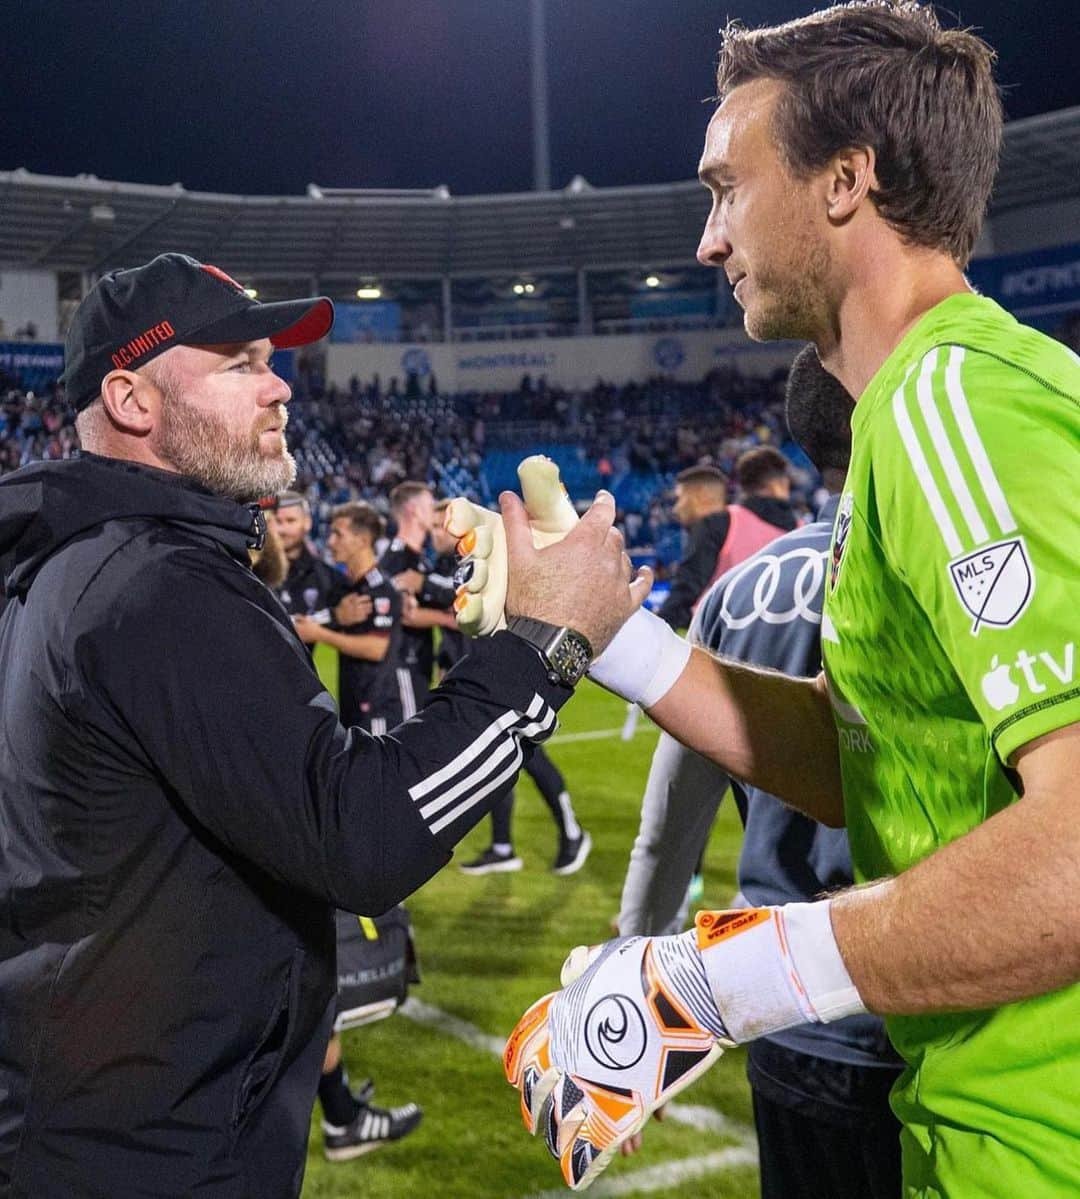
(488, 947)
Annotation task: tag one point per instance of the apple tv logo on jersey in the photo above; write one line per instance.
(1002, 690)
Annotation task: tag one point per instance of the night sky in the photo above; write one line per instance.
(233, 96)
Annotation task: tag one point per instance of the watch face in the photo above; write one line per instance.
(570, 659)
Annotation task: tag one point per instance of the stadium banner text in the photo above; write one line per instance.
(1040, 287)
(34, 366)
(575, 362)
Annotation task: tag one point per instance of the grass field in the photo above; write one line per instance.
(488, 947)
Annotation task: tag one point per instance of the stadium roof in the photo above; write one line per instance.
(87, 224)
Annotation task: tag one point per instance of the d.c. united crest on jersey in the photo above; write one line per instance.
(994, 583)
(840, 537)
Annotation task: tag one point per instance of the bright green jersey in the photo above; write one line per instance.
(950, 640)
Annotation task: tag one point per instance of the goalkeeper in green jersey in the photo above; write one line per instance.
(849, 162)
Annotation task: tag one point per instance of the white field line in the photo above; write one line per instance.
(652, 1178)
(646, 726)
(424, 1013)
(660, 1178)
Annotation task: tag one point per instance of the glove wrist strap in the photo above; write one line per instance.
(773, 968)
(642, 661)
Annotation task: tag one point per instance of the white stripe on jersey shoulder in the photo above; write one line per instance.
(940, 439)
(954, 389)
(922, 468)
(931, 407)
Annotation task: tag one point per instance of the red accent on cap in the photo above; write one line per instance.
(218, 273)
(312, 326)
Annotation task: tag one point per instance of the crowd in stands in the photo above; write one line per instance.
(357, 442)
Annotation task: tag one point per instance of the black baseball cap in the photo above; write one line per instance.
(133, 316)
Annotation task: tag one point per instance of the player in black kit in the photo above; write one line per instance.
(311, 588)
(371, 685)
(432, 596)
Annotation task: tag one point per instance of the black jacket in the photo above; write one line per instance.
(179, 809)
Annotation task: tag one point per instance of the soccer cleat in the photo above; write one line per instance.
(372, 1128)
(481, 577)
(634, 1025)
(572, 854)
(491, 862)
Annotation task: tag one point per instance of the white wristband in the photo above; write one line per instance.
(773, 968)
(643, 660)
(816, 957)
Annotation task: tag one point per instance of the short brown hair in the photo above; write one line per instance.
(884, 74)
(362, 517)
(702, 476)
(403, 492)
(757, 467)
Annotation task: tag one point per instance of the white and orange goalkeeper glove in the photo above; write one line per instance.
(481, 598)
(645, 658)
(639, 1019)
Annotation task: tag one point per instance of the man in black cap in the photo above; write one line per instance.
(180, 806)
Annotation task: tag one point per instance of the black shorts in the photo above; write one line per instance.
(825, 1129)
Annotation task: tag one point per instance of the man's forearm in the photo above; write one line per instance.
(986, 920)
(429, 618)
(765, 728)
(369, 647)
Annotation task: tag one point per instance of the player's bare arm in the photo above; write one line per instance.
(371, 647)
(937, 938)
(772, 731)
(427, 618)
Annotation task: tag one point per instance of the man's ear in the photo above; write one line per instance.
(132, 401)
(851, 180)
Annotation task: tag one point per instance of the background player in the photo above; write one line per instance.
(453, 644)
(373, 688)
(431, 596)
(311, 587)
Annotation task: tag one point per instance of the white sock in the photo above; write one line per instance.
(570, 824)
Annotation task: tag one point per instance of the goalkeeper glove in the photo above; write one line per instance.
(646, 657)
(481, 597)
(640, 1018)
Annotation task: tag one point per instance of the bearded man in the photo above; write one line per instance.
(181, 808)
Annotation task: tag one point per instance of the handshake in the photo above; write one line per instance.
(583, 579)
(537, 560)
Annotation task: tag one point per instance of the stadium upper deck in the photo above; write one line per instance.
(89, 225)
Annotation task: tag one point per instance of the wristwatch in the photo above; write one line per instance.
(567, 653)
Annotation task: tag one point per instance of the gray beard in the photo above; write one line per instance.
(204, 449)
